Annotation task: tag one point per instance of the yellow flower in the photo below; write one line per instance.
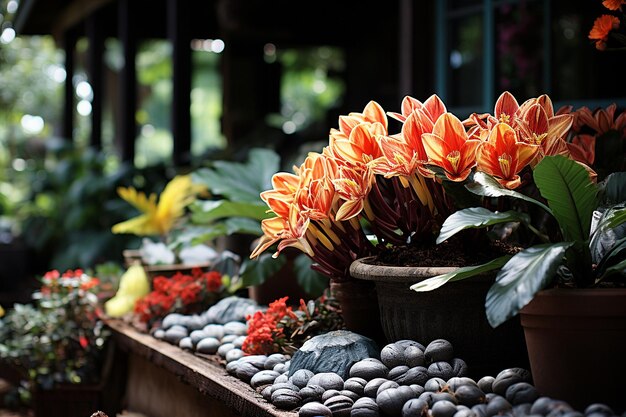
(158, 219)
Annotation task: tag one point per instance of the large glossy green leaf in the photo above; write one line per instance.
(476, 217)
(256, 271)
(460, 274)
(521, 278)
(204, 212)
(241, 181)
(311, 281)
(611, 227)
(617, 269)
(571, 195)
(487, 186)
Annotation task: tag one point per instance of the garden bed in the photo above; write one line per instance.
(151, 361)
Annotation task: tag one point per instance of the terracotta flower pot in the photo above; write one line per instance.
(576, 342)
(455, 312)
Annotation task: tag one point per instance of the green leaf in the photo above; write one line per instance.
(204, 212)
(613, 256)
(521, 278)
(487, 186)
(460, 274)
(571, 195)
(311, 281)
(241, 182)
(617, 269)
(614, 188)
(255, 272)
(476, 217)
(243, 225)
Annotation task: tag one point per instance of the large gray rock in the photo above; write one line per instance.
(231, 309)
(334, 351)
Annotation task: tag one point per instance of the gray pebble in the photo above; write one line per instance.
(285, 399)
(194, 322)
(174, 334)
(455, 382)
(541, 406)
(159, 334)
(275, 359)
(466, 412)
(301, 377)
(416, 375)
(245, 371)
(480, 410)
(443, 396)
(522, 392)
(386, 385)
(235, 327)
(256, 360)
(439, 350)
(282, 378)
(339, 405)
(224, 349)
(443, 409)
(371, 388)
(397, 372)
(392, 355)
(407, 343)
(428, 397)
(599, 408)
(231, 367)
(267, 393)
(228, 338)
(417, 389)
(414, 356)
(508, 377)
(327, 380)
(234, 354)
(329, 394)
(391, 400)
(415, 408)
(441, 370)
(579, 414)
(369, 369)
(185, 343)
(459, 367)
(238, 342)
(469, 395)
(434, 384)
(197, 335)
(280, 368)
(498, 405)
(356, 385)
(208, 345)
(364, 407)
(284, 385)
(314, 409)
(486, 384)
(522, 409)
(263, 377)
(214, 330)
(311, 393)
(171, 320)
(353, 396)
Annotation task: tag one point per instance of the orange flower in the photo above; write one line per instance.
(613, 4)
(601, 28)
(539, 126)
(361, 147)
(290, 232)
(503, 156)
(353, 186)
(433, 107)
(449, 147)
(373, 113)
(582, 148)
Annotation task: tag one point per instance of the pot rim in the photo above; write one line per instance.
(360, 269)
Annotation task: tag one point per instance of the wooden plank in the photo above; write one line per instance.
(206, 373)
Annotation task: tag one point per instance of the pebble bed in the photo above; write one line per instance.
(408, 379)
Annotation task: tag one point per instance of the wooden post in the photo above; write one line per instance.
(178, 29)
(94, 64)
(128, 81)
(67, 124)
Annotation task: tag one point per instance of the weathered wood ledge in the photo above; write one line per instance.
(205, 373)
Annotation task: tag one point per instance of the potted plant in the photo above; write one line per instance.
(60, 347)
(374, 193)
(570, 288)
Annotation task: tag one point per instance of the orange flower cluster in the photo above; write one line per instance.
(56, 283)
(392, 184)
(179, 294)
(265, 331)
(606, 24)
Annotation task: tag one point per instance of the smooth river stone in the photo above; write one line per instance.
(441, 370)
(486, 384)
(274, 359)
(439, 350)
(391, 400)
(369, 369)
(334, 351)
(371, 388)
(415, 408)
(208, 345)
(214, 330)
(327, 380)
(159, 334)
(414, 356)
(224, 349)
(392, 355)
(235, 327)
(285, 399)
(174, 334)
(301, 377)
(365, 407)
(263, 377)
(340, 405)
(185, 343)
(231, 309)
(245, 371)
(314, 409)
(256, 360)
(229, 338)
(171, 320)
(234, 354)
(508, 377)
(356, 385)
(417, 375)
(238, 342)
(455, 382)
(459, 367)
(194, 322)
(311, 393)
(197, 335)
